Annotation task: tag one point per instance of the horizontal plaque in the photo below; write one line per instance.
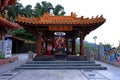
(60, 28)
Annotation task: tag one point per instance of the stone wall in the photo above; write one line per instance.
(29, 47)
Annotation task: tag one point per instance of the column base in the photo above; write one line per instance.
(37, 57)
(76, 58)
(44, 58)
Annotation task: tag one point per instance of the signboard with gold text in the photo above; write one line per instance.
(60, 28)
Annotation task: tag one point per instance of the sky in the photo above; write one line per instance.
(107, 33)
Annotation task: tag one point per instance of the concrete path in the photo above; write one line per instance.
(21, 59)
(113, 72)
(7, 72)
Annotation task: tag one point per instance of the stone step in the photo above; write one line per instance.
(65, 67)
(61, 65)
(60, 62)
(35, 65)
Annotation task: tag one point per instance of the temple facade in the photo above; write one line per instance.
(56, 34)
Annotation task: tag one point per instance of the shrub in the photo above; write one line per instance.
(2, 56)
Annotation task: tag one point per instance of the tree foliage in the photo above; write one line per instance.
(87, 46)
(37, 11)
(23, 34)
(28, 11)
(59, 10)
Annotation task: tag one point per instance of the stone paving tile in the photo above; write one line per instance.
(93, 75)
(50, 75)
(112, 72)
(21, 59)
(98, 79)
(74, 75)
(9, 74)
(110, 75)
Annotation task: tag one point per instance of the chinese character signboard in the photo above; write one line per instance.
(60, 28)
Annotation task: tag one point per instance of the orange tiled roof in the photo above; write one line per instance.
(48, 19)
(9, 24)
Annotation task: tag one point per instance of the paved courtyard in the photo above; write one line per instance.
(7, 72)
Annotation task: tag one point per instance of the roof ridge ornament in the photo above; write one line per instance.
(72, 20)
(97, 16)
(46, 14)
(73, 14)
(82, 17)
(101, 16)
(92, 17)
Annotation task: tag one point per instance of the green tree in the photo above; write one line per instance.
(59, 10)
(27, 11)
(40, 9)
(23, 34)
(11, 14)
(45, 6)
(37, 10)
(18, 7)
(14, 10)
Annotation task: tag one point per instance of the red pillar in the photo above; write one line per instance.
(81, 44)
(39, 43)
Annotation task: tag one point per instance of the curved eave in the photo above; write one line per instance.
(78, 24)
(92, 27)
(61, 22)
(4, 22)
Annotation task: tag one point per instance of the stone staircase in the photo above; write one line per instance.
(62, 65)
